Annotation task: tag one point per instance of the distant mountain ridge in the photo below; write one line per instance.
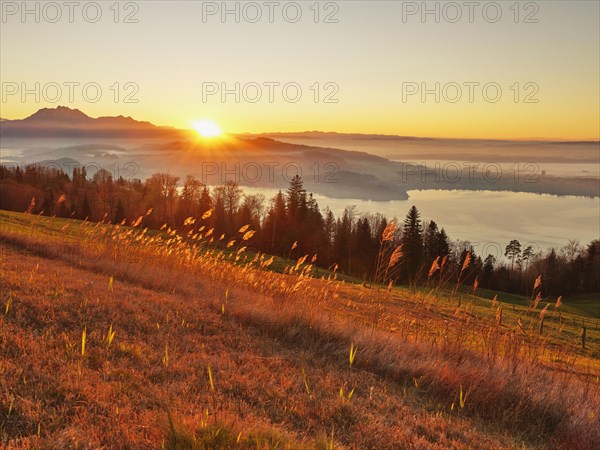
(395, 137)
(63, 121)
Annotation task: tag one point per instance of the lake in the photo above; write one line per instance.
(488, 219)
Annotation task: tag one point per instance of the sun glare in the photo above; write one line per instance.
(207, 128)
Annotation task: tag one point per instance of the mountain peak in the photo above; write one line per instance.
(63, 121)
(60, 113)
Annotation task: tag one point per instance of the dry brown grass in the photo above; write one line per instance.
(423, 377)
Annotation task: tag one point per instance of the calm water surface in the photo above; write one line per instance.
(489, 219)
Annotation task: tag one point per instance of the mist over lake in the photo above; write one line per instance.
(486, 213)
(487, 219)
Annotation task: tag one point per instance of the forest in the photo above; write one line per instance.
(292, 225)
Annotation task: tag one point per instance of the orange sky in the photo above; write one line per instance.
(367, 61)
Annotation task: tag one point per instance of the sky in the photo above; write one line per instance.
(347, 66)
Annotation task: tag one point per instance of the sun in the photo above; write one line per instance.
(207, 128)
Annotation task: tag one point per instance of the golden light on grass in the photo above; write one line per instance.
(353, 350)
(83, 335)
(403, 335)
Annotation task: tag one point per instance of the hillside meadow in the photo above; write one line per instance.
(120, 337)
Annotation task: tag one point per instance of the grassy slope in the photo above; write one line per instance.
(69, 231)
(168, 335)
(585, 306)
(119, 396)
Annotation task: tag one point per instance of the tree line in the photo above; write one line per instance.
(293, 225)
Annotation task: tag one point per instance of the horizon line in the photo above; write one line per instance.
(429, 137)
